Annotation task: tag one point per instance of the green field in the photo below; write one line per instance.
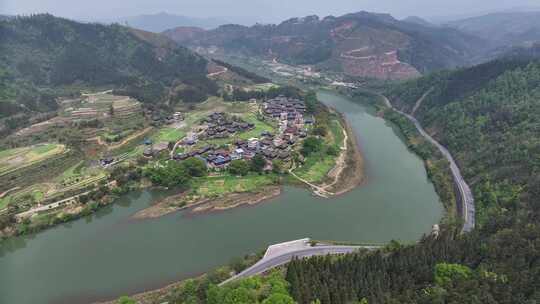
(3, 203)
(260, 126)
(317, 165)
(13, 159)
(73, 171)
(263, 86)
(169, 134)
(218, 186)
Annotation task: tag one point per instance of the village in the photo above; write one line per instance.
(287, 114)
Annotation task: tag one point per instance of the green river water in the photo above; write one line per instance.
(108, 255)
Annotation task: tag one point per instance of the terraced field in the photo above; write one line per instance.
(14, 159)
(75, 179)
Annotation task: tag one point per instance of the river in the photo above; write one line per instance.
(108, 254)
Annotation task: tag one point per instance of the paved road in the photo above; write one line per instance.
(267, 264)
(467, 199)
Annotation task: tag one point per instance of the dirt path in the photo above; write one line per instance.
(349, 170)
(346, 174)
(419, 101)
(98, 93)
(218, 73)
(336, 171)
(8, 191)
(318, 190)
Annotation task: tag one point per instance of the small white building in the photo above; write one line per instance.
(253, 143)
(239, 151)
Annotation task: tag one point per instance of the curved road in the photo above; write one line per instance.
(266, 264)
(467, 199)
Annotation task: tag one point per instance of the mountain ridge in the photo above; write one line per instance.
(359, 44)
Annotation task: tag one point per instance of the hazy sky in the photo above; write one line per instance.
(263, 10)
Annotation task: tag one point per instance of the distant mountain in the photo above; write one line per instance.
(44, 57)
(361, 44)
(417, 20)
(503, 29)
(183, 34)
(162, 21)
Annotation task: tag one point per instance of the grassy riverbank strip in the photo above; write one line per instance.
(336, 168)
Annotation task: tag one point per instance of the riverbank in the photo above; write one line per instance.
(348, 173)
(232, 200)
(436, 165)
(338, 167)
(171, 291)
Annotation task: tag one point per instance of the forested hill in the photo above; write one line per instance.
(489, 118)
(43, 56)
(359, 44)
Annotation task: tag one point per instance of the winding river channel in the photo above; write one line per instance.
(108, 254)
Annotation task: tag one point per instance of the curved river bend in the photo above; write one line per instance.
(108, 255)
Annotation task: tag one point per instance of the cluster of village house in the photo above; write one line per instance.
(289, 114)
(221, 125)
(160, 119)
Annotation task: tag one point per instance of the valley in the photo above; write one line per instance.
(401, 155)
(407, 211)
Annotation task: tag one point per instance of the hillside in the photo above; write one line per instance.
(489, 118)
(44, 57)
(361, 44)
(502, 29)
